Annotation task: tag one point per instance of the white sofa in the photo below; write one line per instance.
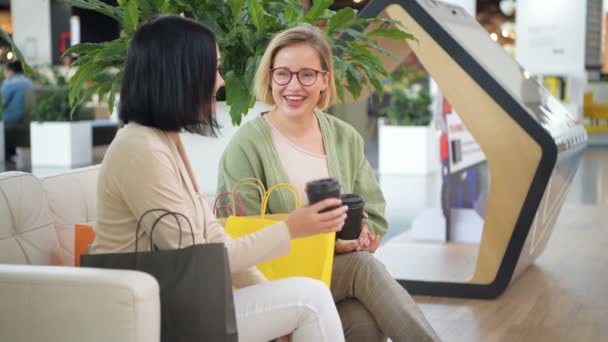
(43, 297)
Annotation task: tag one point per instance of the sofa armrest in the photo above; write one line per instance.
(73, 304)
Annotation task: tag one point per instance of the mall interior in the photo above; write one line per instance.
(489, 142)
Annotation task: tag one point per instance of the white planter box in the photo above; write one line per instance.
(408, 149)
(61, 144)
(205, 152)
(2, 156)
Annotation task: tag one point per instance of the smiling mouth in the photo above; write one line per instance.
(294, 101)
(294, 98)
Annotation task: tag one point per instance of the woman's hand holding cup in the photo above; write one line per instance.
(311, 220)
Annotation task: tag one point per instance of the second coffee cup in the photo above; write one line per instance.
(354, 216)
(321, 189)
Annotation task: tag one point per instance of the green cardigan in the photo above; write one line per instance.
(251, 153)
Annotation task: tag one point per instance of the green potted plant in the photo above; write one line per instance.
(59, 137)
(406, 141)
(243, 29)
(409, 97)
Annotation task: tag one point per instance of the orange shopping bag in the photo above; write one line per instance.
(83, 238)
(309, 257)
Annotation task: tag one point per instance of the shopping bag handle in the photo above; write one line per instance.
(294, 191)
(179, 227)
(251, 181)
(165, 213)
(217, 208)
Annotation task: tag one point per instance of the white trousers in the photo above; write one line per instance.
(302, 307)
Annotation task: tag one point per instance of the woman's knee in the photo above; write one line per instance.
(313, 292)
(368, 262)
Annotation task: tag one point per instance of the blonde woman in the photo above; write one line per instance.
(297, 142)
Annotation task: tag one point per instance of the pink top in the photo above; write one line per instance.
(301, 166)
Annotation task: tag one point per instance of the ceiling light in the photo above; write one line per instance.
(507, 7)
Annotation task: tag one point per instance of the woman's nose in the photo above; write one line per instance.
(294, 83)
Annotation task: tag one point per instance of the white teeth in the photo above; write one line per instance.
(294, 98)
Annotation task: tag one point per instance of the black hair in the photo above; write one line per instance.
(169, 78)
(15, 67)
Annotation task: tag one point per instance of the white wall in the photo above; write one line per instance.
(551, 36)
(32, 29)
(551, 42)
(205, 153)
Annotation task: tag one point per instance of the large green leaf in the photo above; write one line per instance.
(114, 50)
(294, 11)
(84, 74)
(238, 97)
(342, 19)
(360, 36)
(391, 32)
(152, 7)
(317, 10)
(250, 69)
(372, 75)
(236, 6)
(131, 19)
(84, 48)
(115, 89)
(354, 81)
(256, 13)
(249, 40)
(340, 66)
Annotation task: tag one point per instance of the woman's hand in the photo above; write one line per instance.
(368, 241)
(307, 221)
(346, 247)
(371, 241)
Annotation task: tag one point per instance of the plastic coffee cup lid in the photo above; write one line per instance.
(352, 200)
(323, 185)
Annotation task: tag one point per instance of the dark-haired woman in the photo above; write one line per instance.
(170, 80)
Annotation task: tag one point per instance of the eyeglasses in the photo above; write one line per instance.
(306, 76)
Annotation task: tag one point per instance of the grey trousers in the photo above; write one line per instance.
(372, 305)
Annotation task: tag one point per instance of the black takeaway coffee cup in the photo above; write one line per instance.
(352, 226)
(321, 189)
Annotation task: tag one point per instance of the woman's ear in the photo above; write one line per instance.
(325, 82)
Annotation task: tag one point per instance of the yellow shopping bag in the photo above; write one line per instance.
(309, 257)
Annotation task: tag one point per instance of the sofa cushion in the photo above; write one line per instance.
(72, 199)
(27, 230)
(64, 304)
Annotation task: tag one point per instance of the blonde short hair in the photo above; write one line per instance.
(301, 34)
